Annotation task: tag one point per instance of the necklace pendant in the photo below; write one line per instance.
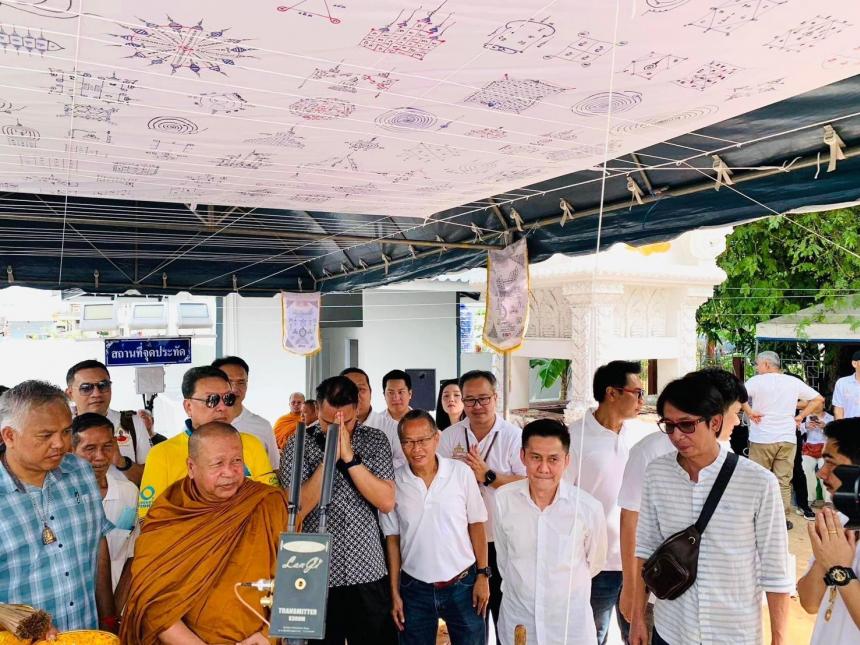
(48, 536)
(828, 614)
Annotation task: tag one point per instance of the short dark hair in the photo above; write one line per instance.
(358, 370)
(730, 386)
(337, 391)
(231, 360)
(613, 374)
(472, 375)
(397, 375)
(189, 380)
(855, 356)
(310, 402)
(84, 365)
(547, 428)
(85, 421)
(846, 434)
(415, 415)
(694, 393)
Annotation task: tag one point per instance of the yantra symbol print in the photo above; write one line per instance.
(513, 95)
(519, 35)
(406, 118)
(604, 103)
(182, 46)
(173, 125)
(321, 109)
(415, 35)
(28, 42)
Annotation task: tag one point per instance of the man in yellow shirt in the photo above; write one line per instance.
(207, 398)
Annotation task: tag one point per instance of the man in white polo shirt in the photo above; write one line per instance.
(397, 389)
(599, 447)
(551, 541)
(490, 446)
(846, 393)
(771, 409)
(245, 421)
(435, 542)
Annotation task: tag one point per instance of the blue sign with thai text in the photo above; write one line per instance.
(147, 351)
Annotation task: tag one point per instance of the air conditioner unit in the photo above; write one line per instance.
(193, 315)
(148, 315)
(99, 316)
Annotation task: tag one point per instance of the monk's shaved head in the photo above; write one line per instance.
(199, 437)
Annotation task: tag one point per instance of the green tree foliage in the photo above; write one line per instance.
(552, 370)
(777, 266)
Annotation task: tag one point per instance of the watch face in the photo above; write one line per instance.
(839, 575)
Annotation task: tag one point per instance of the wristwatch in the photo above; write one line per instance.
(126, 464)
(356, 461)
(486, 571)
(839, 576)
(490, 477)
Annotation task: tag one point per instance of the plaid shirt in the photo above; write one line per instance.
(57, 577)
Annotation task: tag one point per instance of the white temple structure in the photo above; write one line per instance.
(625, 303)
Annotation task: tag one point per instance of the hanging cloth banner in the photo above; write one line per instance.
(507, 297)
(300, 323)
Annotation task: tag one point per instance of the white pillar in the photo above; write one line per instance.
(519, 375)
(593, 306)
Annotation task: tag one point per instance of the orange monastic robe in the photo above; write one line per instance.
(189, 555)
(284, 428)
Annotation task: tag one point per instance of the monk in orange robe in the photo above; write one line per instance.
(204, 534)
(286, 425)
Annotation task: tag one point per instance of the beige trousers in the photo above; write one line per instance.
(778, 458)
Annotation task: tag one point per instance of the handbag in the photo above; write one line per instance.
(672, 568)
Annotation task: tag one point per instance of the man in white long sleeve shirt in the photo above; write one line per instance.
(550, 541)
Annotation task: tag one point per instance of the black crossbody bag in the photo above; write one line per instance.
(673, 567)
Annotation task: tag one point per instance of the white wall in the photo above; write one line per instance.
(252, 330)
(402, 330)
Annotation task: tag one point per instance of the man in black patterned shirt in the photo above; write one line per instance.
(358, 599)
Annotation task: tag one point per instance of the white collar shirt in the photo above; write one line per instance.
(641, 454)
(846, 395)
(841, 628)
(120, 506)
(500, 449)
(743, 551)
(775, 395)
(134, 450)
(433, 523)
(254, 424)
(598, 470)
(388, 424)
(547, 559)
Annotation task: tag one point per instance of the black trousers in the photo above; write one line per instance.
(798, 477)
(360, 615)
(495, 590)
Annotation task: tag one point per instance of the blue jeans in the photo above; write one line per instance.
(424, 605)
(605, 591)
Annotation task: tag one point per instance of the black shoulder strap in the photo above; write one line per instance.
(126, 422)
(717, 491)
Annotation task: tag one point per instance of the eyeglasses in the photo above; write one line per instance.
(408, 444)
(638, 391)
(687, 427)
(212, 400)
(87, 388)
(471, 402)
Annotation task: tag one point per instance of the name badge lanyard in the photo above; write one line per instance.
(489, 448)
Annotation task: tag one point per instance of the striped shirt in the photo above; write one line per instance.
(743, 551)
(57, 577)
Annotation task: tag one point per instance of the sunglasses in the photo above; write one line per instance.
(687, 427)
(88, 388)
(212, 400)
